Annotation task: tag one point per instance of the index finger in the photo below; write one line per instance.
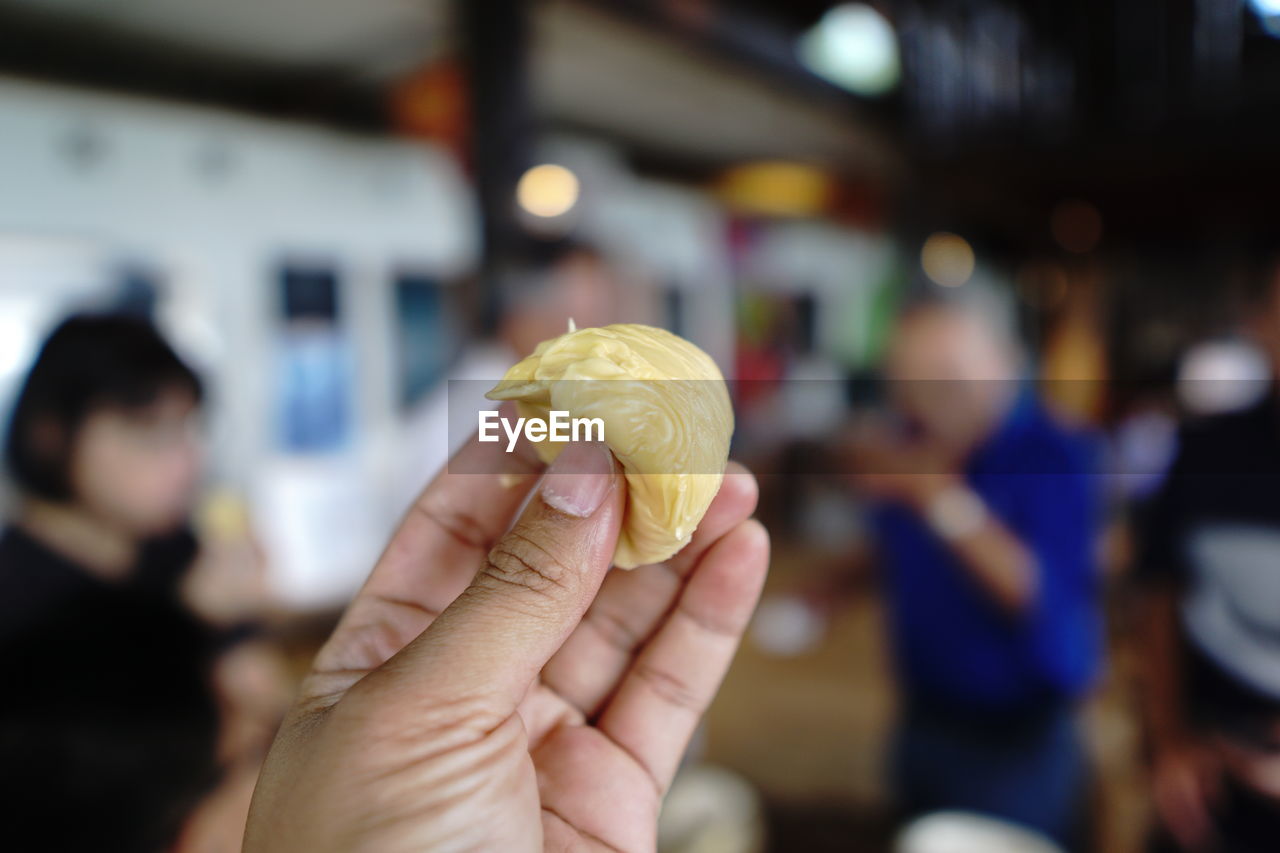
(431, 558)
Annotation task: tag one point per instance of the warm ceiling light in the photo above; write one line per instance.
(777, 188)
(548, 191)
(947, 259)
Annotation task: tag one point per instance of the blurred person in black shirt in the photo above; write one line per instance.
(109, 725)
(1210, 573)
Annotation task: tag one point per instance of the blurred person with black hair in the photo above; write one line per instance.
(1209, 574)
(110, 723)
(985, 517)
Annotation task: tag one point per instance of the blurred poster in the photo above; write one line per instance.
(427, 335)
(315, 364)
(674, 310)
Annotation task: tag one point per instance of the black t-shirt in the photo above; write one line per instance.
(1214, 531)
(108, 722)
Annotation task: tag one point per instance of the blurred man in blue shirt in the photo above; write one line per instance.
(985, 519)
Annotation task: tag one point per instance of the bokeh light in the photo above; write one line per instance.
(854, 47)
(947, 259)
(1222, 376)
(548, 191)
(777, 189)
(1268, 12)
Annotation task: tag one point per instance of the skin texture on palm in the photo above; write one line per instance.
(495, 688)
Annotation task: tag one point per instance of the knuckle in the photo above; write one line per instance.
(670, 688)
(714, 624)
(614, 628)
(464, 529)
(519, 561)
(442, 719)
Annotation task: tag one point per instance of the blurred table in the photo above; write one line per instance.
(812, 731)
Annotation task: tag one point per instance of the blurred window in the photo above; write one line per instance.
(315, 362)
(427, 334)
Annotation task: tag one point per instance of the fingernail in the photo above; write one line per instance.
(577, 482)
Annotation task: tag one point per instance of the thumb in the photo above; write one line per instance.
(535, 585)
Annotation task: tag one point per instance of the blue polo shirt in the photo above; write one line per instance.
(955, 647)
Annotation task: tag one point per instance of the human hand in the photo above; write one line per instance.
(499, 689)
(1185, 782)
(886, 467)
(254, 690)
(226, 583)
(216, 824)
(1253, 762)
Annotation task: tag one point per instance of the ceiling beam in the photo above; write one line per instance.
(55, 48)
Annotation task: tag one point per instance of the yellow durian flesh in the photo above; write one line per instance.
(667, 419)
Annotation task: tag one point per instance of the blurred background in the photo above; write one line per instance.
(329, 208)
